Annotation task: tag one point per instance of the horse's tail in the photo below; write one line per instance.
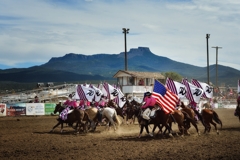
(116, 117)
(216, 118)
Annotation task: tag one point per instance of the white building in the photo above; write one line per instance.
(135, 84)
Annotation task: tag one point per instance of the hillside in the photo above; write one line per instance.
(79, 67)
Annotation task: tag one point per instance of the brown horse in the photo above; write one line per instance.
(191, 112)
(208, 116)
(75, 116)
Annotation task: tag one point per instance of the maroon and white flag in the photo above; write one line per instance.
(111, 91)
(193, 92)
(84, 93)
(208, 90)
(176, 87)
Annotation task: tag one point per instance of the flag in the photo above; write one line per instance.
(98, 93)
(176, 87)
(207, 90)
(120, 99)
(193, 92)
(111, 91)
(164, 97)
(101, 87)
(84, 93)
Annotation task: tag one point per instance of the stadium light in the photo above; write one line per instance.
(125, 31)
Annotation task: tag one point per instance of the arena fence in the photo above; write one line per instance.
(35, 109)
(26, 109)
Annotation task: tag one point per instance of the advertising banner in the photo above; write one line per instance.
(17, 109)
(49, 108)
(2, 109)
(34, 109)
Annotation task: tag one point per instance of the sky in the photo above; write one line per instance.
(34, 31)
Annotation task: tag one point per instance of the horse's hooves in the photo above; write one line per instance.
(170, 135)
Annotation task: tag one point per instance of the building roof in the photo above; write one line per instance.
(137, 74)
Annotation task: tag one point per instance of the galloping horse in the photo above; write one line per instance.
(92, 116)
(132, 111)
(75, 116)
(160, 118)
(183, 120)
(111, 116)
(191, 114)
(119, 110)
(208, 116)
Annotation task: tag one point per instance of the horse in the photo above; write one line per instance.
(160, 117)
(119, 110)
(111, 116)
(75, 116)
(92, 113)
(132, 111)
(191, 112)
(208, 116)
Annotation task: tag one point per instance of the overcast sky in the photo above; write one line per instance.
(34, 31)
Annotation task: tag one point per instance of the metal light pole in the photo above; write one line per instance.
(125, 31)
(207, 37)
(217, 63)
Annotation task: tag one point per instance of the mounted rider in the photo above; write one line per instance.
(70, 104)
(149, 103)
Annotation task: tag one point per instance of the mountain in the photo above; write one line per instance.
(103, 66)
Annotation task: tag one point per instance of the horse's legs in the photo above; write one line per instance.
(215, 125)
(112, 122)
(55, 126)
(207, 126)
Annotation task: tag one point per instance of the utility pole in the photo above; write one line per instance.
(217, 63)
(125, 31)
(207, 37)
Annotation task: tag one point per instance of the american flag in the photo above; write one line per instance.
(164, 97)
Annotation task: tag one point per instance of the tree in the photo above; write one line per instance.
(173, 75)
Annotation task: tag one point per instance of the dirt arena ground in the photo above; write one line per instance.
(29, 138)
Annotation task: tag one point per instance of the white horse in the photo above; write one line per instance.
(111, 116)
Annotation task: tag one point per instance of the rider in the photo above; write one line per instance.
(68, 104)
(149, 103)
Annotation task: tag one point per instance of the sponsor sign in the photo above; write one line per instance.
(49, 108)
(34, 109)
(17, 109)
(2, 109)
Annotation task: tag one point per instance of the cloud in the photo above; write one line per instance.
(34, 31)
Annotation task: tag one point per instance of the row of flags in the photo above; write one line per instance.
(92, 93)
(169, 95)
